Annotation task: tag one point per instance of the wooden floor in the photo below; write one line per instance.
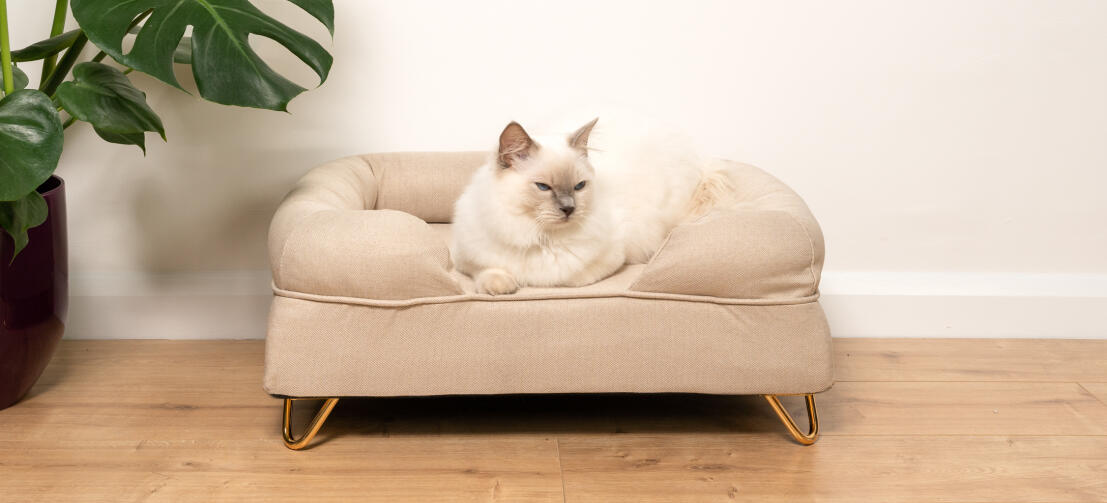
(908, 420)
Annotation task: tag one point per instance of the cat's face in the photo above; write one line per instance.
(551, 182)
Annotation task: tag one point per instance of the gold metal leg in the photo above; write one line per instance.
(289, 440)
(812, 417)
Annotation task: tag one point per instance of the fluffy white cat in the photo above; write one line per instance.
(570, 210)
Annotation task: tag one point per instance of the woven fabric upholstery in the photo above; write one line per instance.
(357, 228)
(768, 246)
(424, 184)
(545, 346)
(367, 301)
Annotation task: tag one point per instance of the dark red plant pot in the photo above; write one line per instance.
(34, 297)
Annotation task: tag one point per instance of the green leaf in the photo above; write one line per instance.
(30, 142)
(19, 79)
(42, 49)
(323, 10)
(226, 68)
(123, 138)
(105, 98)
(22, 214)
(183, 53)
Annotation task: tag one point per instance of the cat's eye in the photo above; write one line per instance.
(542, 186)
(579, 186)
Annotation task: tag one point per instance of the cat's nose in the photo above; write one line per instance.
(566, 204)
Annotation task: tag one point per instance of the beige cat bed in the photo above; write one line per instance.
(367, 302)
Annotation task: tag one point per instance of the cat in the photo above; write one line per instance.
(555, 211)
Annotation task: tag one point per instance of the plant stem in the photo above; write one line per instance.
(69, 122)
(5, 51)
(60, 9)
(66, 63)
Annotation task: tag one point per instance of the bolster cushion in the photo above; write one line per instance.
(372, 254)
(766, 246)
(736, 254)
(327, 239)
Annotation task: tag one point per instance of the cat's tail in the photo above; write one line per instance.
(716, 189)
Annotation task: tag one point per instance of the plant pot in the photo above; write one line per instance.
(34, 297)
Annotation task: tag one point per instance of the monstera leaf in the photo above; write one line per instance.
(42, 49)
(105, 98)
(226, 68)
(19, 79)
(123, 138)
(30, 142)
(22, 214)
(182, 54)
(30, 145)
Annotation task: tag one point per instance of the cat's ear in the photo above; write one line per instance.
(515, 145)
(579, 138)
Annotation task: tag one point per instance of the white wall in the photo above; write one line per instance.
(954, 152)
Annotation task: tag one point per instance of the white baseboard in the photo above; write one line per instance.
(136, 305)
(235, 304)
(965, 305)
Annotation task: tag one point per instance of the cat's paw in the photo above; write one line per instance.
(495, 282)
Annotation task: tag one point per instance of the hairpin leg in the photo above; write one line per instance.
(812, 416)
(320, 417)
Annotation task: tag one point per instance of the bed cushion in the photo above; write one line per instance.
(737, 254)
(372, 230)
(367, 302)
(399, 257)
(566, 345)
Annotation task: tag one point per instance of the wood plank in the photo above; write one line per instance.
(152, 366)
(1042, 360)
(413, 469)
(191, 397)
(147, 390)
(849, 408)
(964, 408)
(666, 468)
(1097, 389)
(188, 420)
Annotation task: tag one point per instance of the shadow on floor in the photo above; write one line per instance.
(546, 414)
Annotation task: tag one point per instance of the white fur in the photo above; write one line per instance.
(648, 175)
(643, 182)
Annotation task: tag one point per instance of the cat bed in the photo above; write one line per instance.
(367, 302)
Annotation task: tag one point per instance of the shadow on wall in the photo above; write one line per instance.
(208, 216)
(203, 200)
(225, 169)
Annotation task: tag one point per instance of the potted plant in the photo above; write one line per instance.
(33, 269)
